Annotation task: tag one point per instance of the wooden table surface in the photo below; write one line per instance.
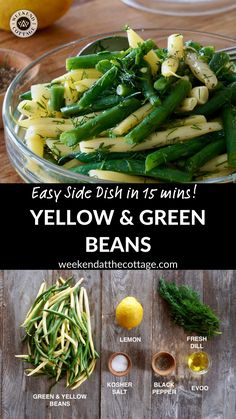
(95, 16)
(105, 289)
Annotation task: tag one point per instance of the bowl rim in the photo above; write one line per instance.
(181, 13)
(16, 52)
(6, 110)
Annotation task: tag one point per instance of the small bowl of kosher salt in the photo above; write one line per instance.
(119, 364)
(11, 63)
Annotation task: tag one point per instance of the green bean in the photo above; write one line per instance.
(163, 83)
(65, 356)
(77, 356)
(29, 328)
(34, 312)
(98, 87)
(50, 371)
(193, 44)
(135, 56)
(219, 62)
(130, 58)
(205, 154)
(43, 295)
(230, 77)
(147, 87)
(53, 337)
(91, 60)
(102, 154)
(26, 95)
(176, 151)
(158, 116)
(35, 319)
(53, 325)
(99, 123)
(39, 349)
(232, 87)
(103, 66)
(229, 124)
(54, 288)
(135, 167)
(63, 316)
(206, 53)
(65, 284)
(57, 100)
(217, 101)
(84, 359)
(124, 90)
(37, 358)
(77, 320)
(99, 105)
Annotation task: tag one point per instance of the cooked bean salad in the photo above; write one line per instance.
(145, 114)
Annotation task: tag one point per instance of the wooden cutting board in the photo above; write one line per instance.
(96, 16)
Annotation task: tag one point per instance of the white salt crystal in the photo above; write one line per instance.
(119, 363)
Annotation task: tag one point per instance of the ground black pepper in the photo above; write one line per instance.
(7, 74)
(164, 362)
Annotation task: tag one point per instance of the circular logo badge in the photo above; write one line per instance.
(23, 23)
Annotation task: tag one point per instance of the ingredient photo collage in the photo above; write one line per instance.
(149, 338)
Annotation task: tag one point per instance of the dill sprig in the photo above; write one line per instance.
(188, 311)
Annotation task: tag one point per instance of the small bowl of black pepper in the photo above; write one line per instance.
(163, 363)
(11, 63)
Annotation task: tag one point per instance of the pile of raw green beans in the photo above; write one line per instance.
(175, 122)
(58, 334)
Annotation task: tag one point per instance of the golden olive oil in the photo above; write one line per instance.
(199, 362)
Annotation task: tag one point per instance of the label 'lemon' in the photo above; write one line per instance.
(129, 313)
(46, 11)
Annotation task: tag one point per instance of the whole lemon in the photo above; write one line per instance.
(46, 11)
(129, 313)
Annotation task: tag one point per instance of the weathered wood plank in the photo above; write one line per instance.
(172, 338)
(220, 293)
(1, 336)
(84, 408)
(136, 404)
(17, 400)
(106, 289)
(20, 289)
(34, 386)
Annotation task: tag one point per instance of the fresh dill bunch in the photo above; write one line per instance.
(188, 311)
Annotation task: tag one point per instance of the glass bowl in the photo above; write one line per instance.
(29, 166)
(183, 7)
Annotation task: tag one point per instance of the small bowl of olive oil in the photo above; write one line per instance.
(199, 362)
